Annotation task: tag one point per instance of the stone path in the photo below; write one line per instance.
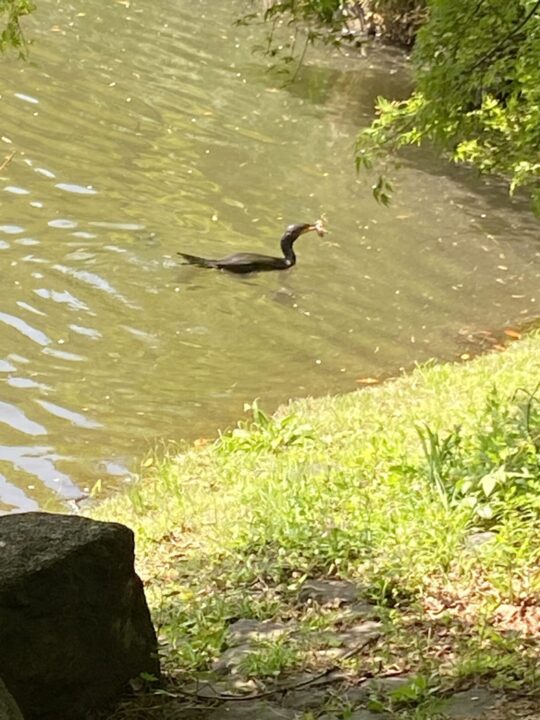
(330, 695)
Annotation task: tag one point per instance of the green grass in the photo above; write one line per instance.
(384, 487)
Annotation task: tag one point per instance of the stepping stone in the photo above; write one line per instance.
(356, 634)
(229, 660)
(473, 704)
(355, 694)
(255, 710)
(368, 715)
(360, 610)
(232, 685)
(325, 592)
(243, 631)
(309, 698)
(385, 686)
(475, 540)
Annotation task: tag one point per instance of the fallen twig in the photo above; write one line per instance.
(7, 160)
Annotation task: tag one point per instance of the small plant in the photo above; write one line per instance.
(269, 659)
(417, 695)
(294, 25)
(496, 469)
(11, 34)
(265, 432)
(505, 660)
(441, 455)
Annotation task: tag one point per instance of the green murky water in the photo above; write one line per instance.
(143, 128)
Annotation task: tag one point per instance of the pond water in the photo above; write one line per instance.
(144, 128)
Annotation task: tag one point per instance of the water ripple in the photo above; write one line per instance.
(25, 329)
(16, 419)
(73, 417)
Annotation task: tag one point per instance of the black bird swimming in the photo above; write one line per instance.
(246, 262)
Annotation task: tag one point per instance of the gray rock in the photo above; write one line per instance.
(246, 630)
(74, 624)
(472, 704)
(332, 643)
(477, 539)
(368, 715)
(384, 686)
(255, 710)
(9, 710)
(325, 592)
(232, 685)
(229, 660)
(306, 699)
(360, 610)
(356, 634)
(355, 694)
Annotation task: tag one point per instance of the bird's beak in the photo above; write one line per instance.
(318, 227)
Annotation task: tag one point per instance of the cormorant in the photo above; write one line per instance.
(246, 262)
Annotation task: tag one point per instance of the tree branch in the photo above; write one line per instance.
(507, 37)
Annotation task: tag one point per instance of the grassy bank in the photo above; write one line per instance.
(425, 491)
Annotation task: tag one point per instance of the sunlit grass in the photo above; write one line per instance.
(385, 487)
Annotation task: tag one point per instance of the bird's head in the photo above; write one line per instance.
(293, 232)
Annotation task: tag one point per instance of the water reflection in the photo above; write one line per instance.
(175, 137)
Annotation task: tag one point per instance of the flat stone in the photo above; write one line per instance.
(232, 685)
(360, 610)
(325, 592)
(477, 539)
(356, 634)
(308, 698)
(385, 686)
(303, 680)
(255, 710)
(355, 694)
(333, 643)
(246, 630)
(229, 660)
(473, 704)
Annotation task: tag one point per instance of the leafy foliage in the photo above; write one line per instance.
(269, 659)
(401, 18)
(318, 11)
(265, 433)
(294, 26)
(11, 36)
(477, 77)
(477, 91)
(496, 471)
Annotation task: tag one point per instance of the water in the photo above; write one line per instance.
(141, 129)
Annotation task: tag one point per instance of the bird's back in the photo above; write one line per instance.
(250, 262)
(200, 261)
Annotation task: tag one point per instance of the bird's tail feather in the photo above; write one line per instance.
(195, 260)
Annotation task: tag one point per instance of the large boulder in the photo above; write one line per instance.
(74, 624)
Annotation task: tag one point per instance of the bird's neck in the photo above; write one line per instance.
(287, 250)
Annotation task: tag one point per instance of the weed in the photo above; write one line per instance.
(269, 659)
(265, 433)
